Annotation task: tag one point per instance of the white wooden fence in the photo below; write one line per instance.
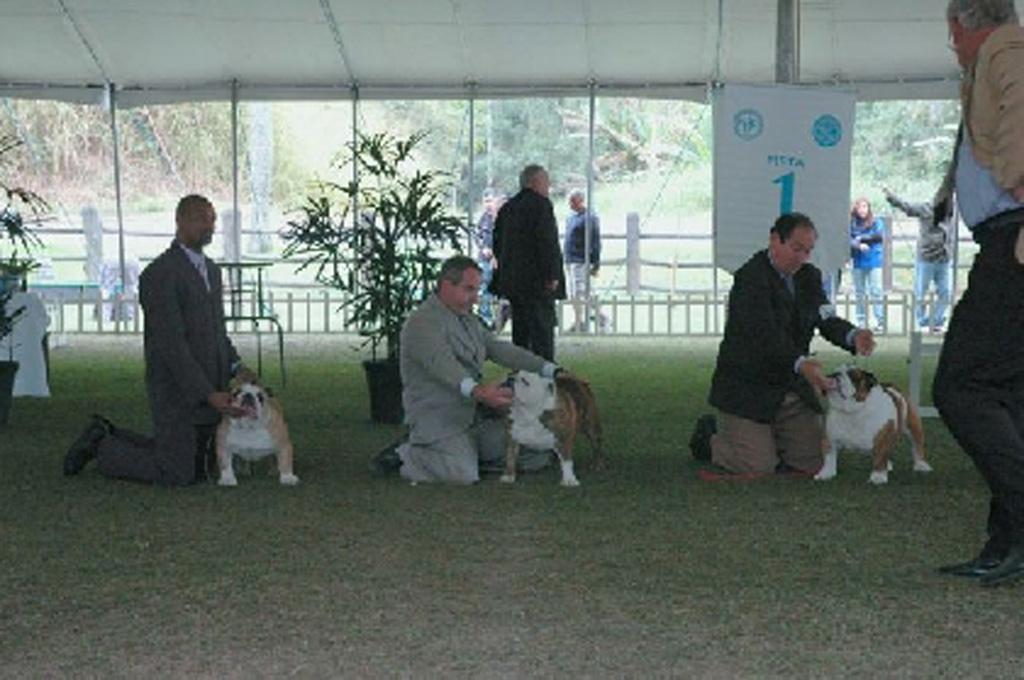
(683, 314)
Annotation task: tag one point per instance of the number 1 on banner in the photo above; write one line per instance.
(786, 198)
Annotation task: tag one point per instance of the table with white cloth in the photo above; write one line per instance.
(26, 345)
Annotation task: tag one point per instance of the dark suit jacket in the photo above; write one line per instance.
(526, 246)
(188, 354)
(766, 331)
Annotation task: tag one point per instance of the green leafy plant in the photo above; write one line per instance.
(386, 260)
(21, 209)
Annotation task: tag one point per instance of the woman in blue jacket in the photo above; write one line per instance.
(866, 236)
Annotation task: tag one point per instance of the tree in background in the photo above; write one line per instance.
(905, 145)
(653, 156)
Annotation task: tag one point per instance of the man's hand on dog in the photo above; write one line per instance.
(811, 370)
(864, 342)
(495, 395)
(222, 402)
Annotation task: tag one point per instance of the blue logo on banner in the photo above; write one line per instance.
(748, 124)
(827, 130)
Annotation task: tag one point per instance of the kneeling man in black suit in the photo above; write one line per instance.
(766, 384)
(189, 361)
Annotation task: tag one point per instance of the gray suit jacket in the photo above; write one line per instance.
(440, 349)
(188, 356)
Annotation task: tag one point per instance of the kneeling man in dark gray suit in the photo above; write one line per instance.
(443, 349)
(189, 361)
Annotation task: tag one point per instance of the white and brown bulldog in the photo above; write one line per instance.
(259, 433)
(549, 413)
(867, 416)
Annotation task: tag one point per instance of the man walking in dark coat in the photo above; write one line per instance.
(529, 270)
(766, 384)
(189, 361)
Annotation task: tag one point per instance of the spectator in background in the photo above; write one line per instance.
(866, 236)
(934, 254)
(580, 270)
(491, 309)
(529, 272)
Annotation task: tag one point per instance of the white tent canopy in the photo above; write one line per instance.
(174, 50)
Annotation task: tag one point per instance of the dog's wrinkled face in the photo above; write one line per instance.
(252, 398)
(533, 392)
(852, 387)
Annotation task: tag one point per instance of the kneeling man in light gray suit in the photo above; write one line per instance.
(443, 349)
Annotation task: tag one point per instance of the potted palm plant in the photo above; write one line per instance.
(386, 259)
(20, 208)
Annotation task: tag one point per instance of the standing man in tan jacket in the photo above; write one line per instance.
(979, 382)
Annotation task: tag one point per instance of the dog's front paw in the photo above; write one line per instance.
(570, 481)
(825, 474)
(288, 479)
(227, 479)
(922, 466)
(879, 477)
(508, 479)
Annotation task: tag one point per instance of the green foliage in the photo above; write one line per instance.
(377, 239)
(904, 145)
(653, 152)
(21, 208)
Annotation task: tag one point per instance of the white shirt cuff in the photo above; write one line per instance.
(798, 363)
(548, 370)
(466, 387)
(850, 336)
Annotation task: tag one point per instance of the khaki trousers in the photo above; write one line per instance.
(794, 437)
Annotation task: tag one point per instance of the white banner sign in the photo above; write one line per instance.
(779, 149)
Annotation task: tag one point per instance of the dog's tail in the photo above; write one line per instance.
(908, 420)
(589, 419)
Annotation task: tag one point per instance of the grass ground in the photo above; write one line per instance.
(644, 571)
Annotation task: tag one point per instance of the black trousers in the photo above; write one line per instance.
(979, 382)
(179, 454)
(533, 326)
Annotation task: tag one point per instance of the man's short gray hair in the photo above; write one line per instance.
(977, 14)
(577, 193)
(454, 267)
(528, 173)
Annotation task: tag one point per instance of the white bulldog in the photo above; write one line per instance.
(261, 432)
(549, 413)
(867, 416)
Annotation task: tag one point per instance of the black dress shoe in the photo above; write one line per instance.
(84, 448)
(386, 461)
(1010, 569)
(975, 568)
(700, 440)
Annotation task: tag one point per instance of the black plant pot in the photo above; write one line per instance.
(385, 383)
(7, 371)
